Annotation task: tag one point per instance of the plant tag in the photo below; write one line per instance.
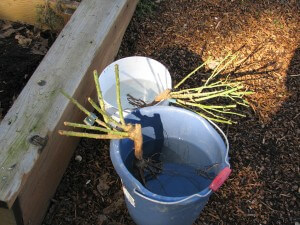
(172, 100)
(129, 197)
(90, 120)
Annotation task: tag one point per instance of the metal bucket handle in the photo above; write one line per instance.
(214, 186)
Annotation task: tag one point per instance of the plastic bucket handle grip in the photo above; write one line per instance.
(220, 179)
(224, 174)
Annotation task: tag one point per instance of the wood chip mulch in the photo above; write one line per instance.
(264, 187)
(22, 48)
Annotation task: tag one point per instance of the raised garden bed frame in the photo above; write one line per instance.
(33, 156)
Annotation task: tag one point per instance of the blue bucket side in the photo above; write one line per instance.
(144, 206)
(149, 212)
(147, 208)
(193, 129)
(151, 120)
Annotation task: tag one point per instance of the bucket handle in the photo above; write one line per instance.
(214, 186)
(224, 174)
(225, 138)
(169, 203)
(220, 179)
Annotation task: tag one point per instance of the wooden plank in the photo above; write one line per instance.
(26, 10)
(33, 157)
(7, 217)
(11, 216)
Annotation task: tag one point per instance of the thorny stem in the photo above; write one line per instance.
(120, 129)
(88, 135)
(109, 119)
(223, 93)
(191, 73)
(229, 112)
(205, 116)
(77, 125)
(205, 106)
(217, 84)
(217, 70)
(192, 97)
(118, 94)
(101, 123)
(100, 97)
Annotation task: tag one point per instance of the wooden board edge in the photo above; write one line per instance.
(36, 181)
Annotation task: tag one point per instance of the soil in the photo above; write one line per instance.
(22, 49)
(264, 146)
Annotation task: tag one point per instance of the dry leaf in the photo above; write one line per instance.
(23, 41)
(6, 26)
(114, 206)
(102, 187)
(8, 33)
(43, 42)
(20, 28)
(38, 49)
(101, 219)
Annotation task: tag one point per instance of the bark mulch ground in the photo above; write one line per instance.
(264, 186)
(22, 48)
(264, 146)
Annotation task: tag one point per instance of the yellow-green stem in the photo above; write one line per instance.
(119, 94)
(99, 94)
(204, 116)
(191, 73)
(213, 85)
(228, 112)
(109, 119)
(76, 125)
(219, 64)
(223, 93)
(101, 123)
(205, 106)
(195, 94)
(88, 135)
(226, 64)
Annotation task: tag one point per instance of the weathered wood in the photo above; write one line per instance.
(26, 10)
(11, 216)
(33, 157)
(7, 217)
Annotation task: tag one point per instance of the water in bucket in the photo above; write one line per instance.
(141, 77)
(169, 174)
(189, 161)
(139, 89)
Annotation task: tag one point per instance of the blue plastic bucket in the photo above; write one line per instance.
(183, 203)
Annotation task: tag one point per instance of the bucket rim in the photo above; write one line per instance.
(142, 191)
(129, 110)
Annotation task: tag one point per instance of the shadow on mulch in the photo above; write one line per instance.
(264, 186)
(180, 61)
(264, 146)
(264, 169)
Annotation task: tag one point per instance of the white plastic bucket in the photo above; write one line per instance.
(141, 77)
